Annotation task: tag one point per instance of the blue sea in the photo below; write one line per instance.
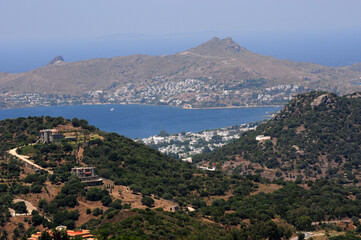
(139, 121)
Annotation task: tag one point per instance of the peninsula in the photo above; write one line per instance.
(218, 73)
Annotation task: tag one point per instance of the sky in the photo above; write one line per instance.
(49, 19)
(32, 31)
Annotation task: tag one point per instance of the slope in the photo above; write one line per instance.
(222, 206)
(316, 135)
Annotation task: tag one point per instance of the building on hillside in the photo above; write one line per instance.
(50, 135)
(262, 138)
(187, 159)
(87, 175)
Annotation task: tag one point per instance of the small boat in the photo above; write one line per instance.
(112, 109)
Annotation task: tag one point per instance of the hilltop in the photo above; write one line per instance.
(217, 73)
(316, 135)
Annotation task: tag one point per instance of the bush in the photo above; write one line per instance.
(94, 194)
(3, 188)
(36, 188)
(97, 211)
(127, 206)
(303, 223)
(117, 204)
(36, 220)
(106, 200)
(147, 201)
(20, 207)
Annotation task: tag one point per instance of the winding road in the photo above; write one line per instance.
(309, 235)
(26, 160)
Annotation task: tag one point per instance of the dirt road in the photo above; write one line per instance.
(26, 160)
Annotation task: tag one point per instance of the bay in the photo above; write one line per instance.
(139, 121)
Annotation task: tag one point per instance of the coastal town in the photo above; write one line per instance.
(186, 144)
(190, 93)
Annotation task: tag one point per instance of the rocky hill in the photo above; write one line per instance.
(215, 74)
(316, 135)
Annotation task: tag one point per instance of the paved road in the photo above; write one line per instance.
(26, 160)
(307, 235)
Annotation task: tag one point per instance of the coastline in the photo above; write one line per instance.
(145, 104)
(232, 107)
(140, 121)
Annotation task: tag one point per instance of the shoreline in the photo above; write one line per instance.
(232, 107)
(142, 104)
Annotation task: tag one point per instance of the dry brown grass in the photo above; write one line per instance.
(210, 199)
(127, 196)
(68, 128)
(14, 221)
(266, 188)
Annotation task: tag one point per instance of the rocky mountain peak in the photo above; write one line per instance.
(219, 47)
(56, 60)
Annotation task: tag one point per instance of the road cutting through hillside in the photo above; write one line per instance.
(27, 161)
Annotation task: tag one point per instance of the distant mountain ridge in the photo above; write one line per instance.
(217, 73)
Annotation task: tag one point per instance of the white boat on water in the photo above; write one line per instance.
(112, 109)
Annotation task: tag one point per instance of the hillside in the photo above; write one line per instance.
(131, 172)
(316, 135)
(142, 187)
(217, 73)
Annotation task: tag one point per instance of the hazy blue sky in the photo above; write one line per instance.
(32, 32)
(74, 19)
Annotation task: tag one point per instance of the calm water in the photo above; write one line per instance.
(142, 121)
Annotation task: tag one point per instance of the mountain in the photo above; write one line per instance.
(316, 135)
(214, 74)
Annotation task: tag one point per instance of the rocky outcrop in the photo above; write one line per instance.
(324, 98)
(58, 59)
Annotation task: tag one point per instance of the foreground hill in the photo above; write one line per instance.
(140, 185)
(316, 135)
(134, 176)
(216, 73)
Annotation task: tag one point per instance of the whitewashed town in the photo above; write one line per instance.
(186, 144)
